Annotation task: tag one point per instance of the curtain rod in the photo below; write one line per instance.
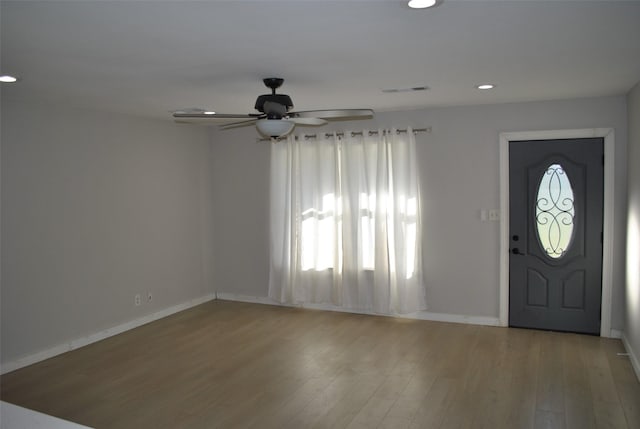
(355, 133)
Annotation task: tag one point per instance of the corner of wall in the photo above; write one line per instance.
(631, 334)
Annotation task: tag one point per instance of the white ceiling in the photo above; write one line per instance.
(149, 57)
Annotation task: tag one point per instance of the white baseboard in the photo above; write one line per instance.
(98, 336)
(224, 296)
(92, 338)
(635, 362)
(420, 315)
(454, 318)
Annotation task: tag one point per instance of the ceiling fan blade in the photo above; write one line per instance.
(202, 121)
(309, 122)
(335, 114)
(238, 124)
(203, 115)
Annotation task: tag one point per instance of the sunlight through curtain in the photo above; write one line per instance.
(345, 222)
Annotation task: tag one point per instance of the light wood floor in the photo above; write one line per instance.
(228, 365)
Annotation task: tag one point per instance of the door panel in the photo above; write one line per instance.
(555, 203)
(574, 290)
(537, 289)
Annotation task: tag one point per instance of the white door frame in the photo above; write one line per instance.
(608, 220)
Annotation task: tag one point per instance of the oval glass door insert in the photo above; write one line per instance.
(555, 211)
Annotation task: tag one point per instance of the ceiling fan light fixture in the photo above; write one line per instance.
(421, 4)
(274, 127)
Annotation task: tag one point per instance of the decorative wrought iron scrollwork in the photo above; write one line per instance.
(555, 211)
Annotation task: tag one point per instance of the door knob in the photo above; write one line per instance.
(516, 251)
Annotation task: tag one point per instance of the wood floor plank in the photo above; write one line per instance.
(625, 381)
(237, 365)
(606, 402)
(436, 403)
(490, 397)
(550, 391)
(376, 408)
(549, 420)
(579, 410)
(629, 394)
(524, 352)
(408, 403)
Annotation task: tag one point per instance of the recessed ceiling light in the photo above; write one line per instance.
(486, 86)
(8, 79)
(209, 112)
(421, 4)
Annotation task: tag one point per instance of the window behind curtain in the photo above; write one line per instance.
(345, 225)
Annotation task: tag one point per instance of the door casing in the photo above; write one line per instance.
(608, 218)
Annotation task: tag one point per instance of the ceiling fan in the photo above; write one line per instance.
(275, 118)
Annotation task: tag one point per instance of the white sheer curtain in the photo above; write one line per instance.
(345, 222)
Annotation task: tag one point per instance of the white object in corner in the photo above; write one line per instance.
(81, 342)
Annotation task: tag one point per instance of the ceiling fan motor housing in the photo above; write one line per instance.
(282, 99)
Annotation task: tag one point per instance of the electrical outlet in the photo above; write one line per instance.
(494, 214)
(149, 297)
(137, 299)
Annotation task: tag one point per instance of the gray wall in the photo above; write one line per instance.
(632, 320)
(97, 207)
(460, 169)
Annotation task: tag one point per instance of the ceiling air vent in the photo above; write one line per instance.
(415, 88)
